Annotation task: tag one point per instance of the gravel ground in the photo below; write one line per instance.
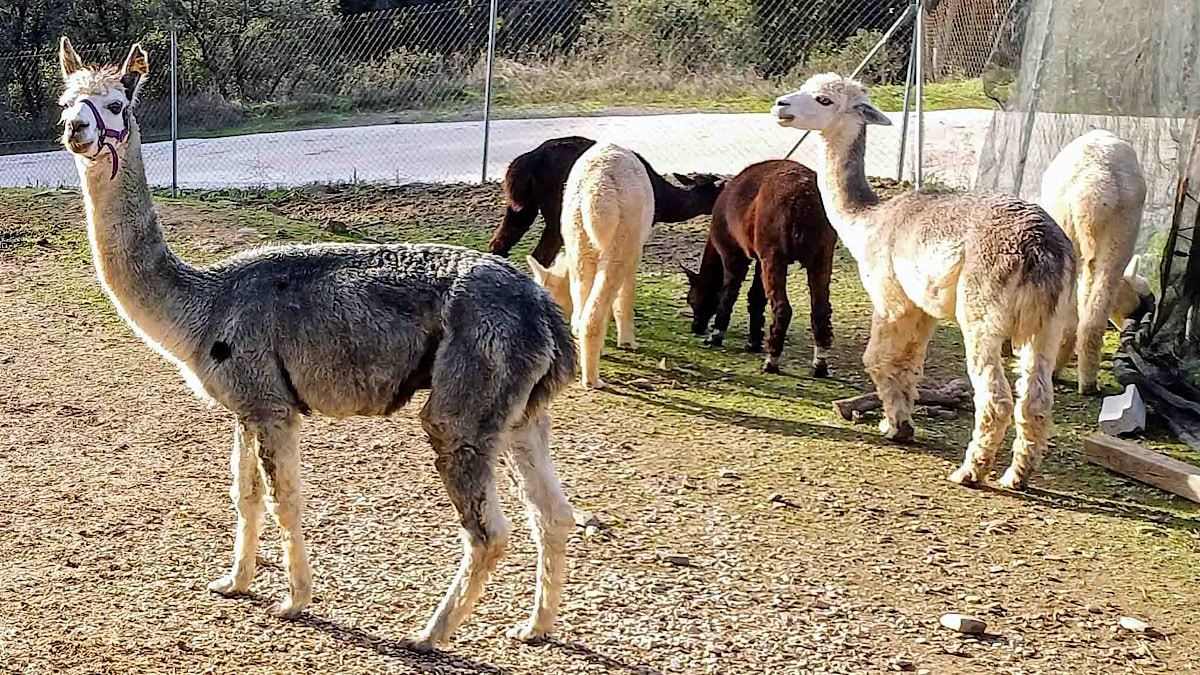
(745, 530)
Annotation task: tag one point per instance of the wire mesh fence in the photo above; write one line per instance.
(398, 95)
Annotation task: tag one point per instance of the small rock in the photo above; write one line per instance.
(996, 569)
(666, 363)
(902, 664)
(1137, 626)
(775, 497)
(591, 531)
(923, 671)
(1093, 608)
(587, 519)
(641, 383)
(972, 599)
(726, 473)
(963, 623)
(676, 559)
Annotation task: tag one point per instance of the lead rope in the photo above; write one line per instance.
(103, 134)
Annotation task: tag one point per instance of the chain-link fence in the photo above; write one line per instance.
(399, 95)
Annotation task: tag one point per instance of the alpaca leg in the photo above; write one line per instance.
(551, 241)
(279, 463)
(736, 266)
(821, 314)
(466, 470)
(247, 494)
(510, 231)
(1093, 320)
(1035, 403)
(550, 520)
(756, 306)
(1070, 314)
(582, 276)
(774, 276)
(594, 323)
(895, 360)
(993, 404)
(623, 310)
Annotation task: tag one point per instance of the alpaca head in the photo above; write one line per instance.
(701, 298)
(829, 103)
(554, 279)
(96, 102)
(1133, 298)
(705, 186)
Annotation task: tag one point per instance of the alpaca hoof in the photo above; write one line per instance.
(419, 643)
(771, 366)
(1010, 480)
(901, 433)
(753, 347)
(523, 632)
(820, 369)
(714, 340)
(965, 476)
(286, 609)
(227, 586)
(1090, 389)
(628, 346)
(597, 384)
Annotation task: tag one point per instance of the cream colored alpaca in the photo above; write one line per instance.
(608, 215)
(996, 265)
(1094, 190)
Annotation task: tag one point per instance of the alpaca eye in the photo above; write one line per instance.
(824, 100)
(115, 107)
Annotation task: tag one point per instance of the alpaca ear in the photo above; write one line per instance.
(683, 180)
(539, 273)
(872, 115)
(1131, 269)
(692, 277)
(135, 68)
(68, 60)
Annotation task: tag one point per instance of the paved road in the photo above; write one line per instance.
(451, 151)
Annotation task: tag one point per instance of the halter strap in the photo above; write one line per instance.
(103, 134)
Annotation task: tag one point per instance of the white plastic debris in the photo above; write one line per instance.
(1123, 413)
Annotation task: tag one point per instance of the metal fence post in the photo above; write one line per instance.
(908, 83)
(487, 87)
(174, 113)
(863, 64)
(920, 71)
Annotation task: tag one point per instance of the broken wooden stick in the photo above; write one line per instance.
(953, 394)
(1147, 466)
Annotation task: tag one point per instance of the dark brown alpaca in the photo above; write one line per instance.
(535, 181)
(770, 212)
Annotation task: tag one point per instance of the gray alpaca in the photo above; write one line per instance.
(343, 330)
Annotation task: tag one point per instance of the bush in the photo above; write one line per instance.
(409, 79)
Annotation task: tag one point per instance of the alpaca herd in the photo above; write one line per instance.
(279, 333)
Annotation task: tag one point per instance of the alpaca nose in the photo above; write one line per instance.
(76, 125)
(781, 103)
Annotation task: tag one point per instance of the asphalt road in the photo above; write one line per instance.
(452, 151)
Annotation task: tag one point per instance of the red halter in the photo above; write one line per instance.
(103, 133)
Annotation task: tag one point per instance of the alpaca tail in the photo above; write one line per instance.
(562, 364)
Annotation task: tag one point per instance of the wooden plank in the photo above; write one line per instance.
(1147, 466)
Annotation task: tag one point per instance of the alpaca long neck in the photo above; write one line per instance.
(149, 285)
(845, 192)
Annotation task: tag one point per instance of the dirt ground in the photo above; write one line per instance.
(809, 545)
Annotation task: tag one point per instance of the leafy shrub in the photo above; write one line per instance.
(409, 79)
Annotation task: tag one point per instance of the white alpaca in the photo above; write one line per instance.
(996, 265)
(608, 214)
(1094, 190)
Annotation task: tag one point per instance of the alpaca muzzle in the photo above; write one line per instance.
(105, 138)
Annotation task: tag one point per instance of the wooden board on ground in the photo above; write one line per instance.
(1147, 466)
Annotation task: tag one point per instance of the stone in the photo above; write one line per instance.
(1133, 625)
(963, 623)
(666, 363)
(586, 519)
(676, 559)
(641, 383)
(726, 473)
(1124, 413)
